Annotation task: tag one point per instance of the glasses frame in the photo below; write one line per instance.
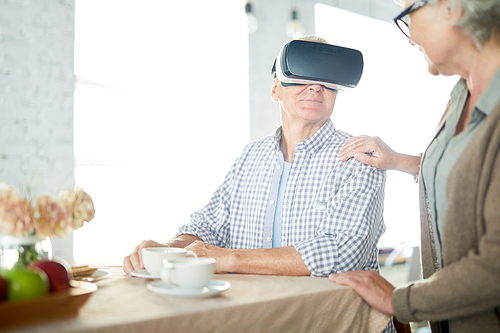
(416, 5)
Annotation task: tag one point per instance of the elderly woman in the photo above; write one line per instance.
(459, 177)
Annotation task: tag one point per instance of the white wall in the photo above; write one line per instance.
(36, 98)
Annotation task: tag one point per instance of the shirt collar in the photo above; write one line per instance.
(490, 96)
(314, 143)
(459, 89)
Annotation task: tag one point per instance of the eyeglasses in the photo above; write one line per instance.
(400, 19)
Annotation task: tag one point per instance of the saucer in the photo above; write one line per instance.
(215, 287)
(98, 275)
(142, 273)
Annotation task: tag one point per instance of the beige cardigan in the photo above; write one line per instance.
(466, 291)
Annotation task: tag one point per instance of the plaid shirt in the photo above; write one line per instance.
(332, 211)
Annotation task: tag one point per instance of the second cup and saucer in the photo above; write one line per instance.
(142, 273)
(213, 288)
(188, 278)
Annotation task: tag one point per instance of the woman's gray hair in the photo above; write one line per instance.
(481, 18)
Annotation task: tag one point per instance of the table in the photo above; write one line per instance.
(254, 303)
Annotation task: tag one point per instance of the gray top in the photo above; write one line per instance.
(444, 151)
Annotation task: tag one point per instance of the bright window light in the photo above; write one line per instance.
(396, 99)
(161, 111)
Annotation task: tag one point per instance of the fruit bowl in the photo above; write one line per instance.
(50, 307)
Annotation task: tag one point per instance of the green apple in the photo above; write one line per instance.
(25, 284)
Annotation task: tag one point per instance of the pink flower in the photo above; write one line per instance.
(81, 206)
(15, 212)
(51, 217)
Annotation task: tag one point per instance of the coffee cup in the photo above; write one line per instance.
(186, 273)
(152, 257)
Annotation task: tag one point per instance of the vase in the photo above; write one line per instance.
(18, 252)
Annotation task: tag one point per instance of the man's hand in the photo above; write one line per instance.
(372, 287)
(221, 255)
(134, 260)
(280, 261)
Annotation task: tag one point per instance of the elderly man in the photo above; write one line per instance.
(288, 206)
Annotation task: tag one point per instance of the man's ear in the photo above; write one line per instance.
(274, 90)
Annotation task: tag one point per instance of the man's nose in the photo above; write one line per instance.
(316, 87)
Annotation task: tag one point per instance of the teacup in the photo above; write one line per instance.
(186, 273)
(152, 257)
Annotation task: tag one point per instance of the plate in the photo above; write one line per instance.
(50, 307)
(215, 287)
(98, 275)
(142, 273)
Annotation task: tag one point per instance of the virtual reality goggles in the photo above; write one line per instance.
(305, 62)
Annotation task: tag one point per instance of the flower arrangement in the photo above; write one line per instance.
(24, 224)
(48, 216)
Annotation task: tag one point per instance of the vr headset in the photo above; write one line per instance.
(305, 62)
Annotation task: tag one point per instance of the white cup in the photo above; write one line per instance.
(186, 273)
(152, 257)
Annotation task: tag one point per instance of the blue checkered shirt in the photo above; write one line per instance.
(332, 211)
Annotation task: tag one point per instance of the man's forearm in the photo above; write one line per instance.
(182, 241)
(277, 261)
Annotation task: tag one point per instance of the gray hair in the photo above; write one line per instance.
(481, 18)
(313, 38)
(310, 38)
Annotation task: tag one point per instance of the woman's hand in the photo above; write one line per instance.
(373, 288)
(382, 156)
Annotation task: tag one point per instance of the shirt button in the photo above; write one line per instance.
(278, 167)
(268, 239)
(271, 202)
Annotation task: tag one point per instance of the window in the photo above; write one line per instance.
(161, 108)
(396, 99)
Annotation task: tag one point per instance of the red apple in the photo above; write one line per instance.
(3, 289)
(56, 272)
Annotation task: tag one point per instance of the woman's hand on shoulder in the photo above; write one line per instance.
(371, 150)
(359, 147)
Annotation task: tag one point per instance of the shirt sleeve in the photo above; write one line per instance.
(348, 236)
